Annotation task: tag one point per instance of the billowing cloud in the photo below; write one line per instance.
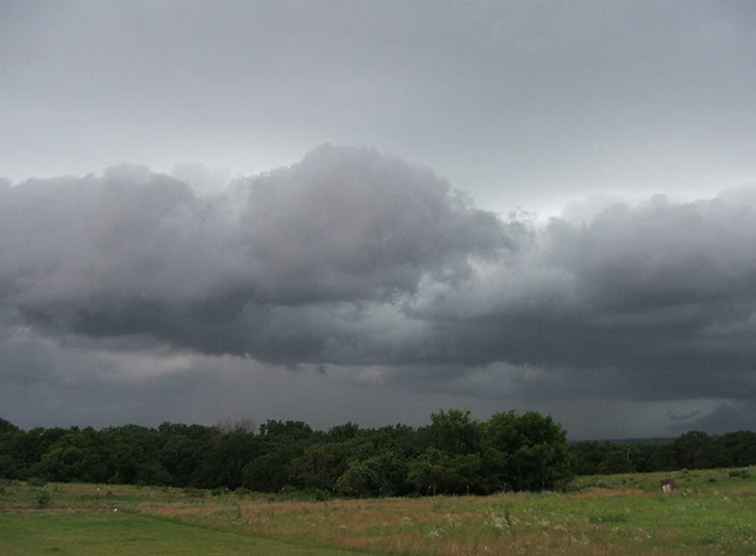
(661, 296)
(134, 283)
(372, 272)
(291, 265)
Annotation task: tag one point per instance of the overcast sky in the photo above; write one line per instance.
(366, 211)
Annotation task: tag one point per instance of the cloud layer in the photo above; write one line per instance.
(277, 266)
(376, 271)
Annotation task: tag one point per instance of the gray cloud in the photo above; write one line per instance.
(725, 417)
(48, 382)
(296, 265)
(371, 268)
(656, 299)
(526, 103)
(360, 261)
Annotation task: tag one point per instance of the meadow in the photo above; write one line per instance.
(710, 512)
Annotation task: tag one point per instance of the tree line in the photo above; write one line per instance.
(454, 454)
(691, 450)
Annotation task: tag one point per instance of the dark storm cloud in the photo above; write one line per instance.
(44, 381)
(357, 259)
(657, 300)
(284, 266)
(726, 417)
(360, 264)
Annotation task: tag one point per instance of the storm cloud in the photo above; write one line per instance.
(370, 269)
(281, 265)
(500, 242)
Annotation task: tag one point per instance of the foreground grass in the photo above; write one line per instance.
(713, 512)
(85, 534)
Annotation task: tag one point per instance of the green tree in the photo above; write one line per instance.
(526, 452)
(455, 432)
(694, 450)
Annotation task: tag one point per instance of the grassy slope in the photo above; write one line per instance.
(86, 534)
(711, 513)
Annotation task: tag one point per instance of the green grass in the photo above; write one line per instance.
(124, 534)
(712, 512)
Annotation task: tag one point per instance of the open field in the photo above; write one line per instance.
(124, 534)
(712, 512)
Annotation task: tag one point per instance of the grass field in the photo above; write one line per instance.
(86, 533)
(712, 512)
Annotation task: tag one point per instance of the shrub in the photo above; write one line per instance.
(573, 487)
(42, 499)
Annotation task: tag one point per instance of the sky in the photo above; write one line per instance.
(369, 211)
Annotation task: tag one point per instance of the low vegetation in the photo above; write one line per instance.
(287, 489)
(710, 512)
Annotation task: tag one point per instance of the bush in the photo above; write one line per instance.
(573, 487)
(42, 499)
(365, 478)
(37, 482)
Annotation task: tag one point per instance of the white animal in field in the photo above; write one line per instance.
(668, 486)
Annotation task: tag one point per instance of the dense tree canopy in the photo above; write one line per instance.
(455, 454)
(692, 450)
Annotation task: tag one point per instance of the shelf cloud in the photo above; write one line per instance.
(366, 269)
